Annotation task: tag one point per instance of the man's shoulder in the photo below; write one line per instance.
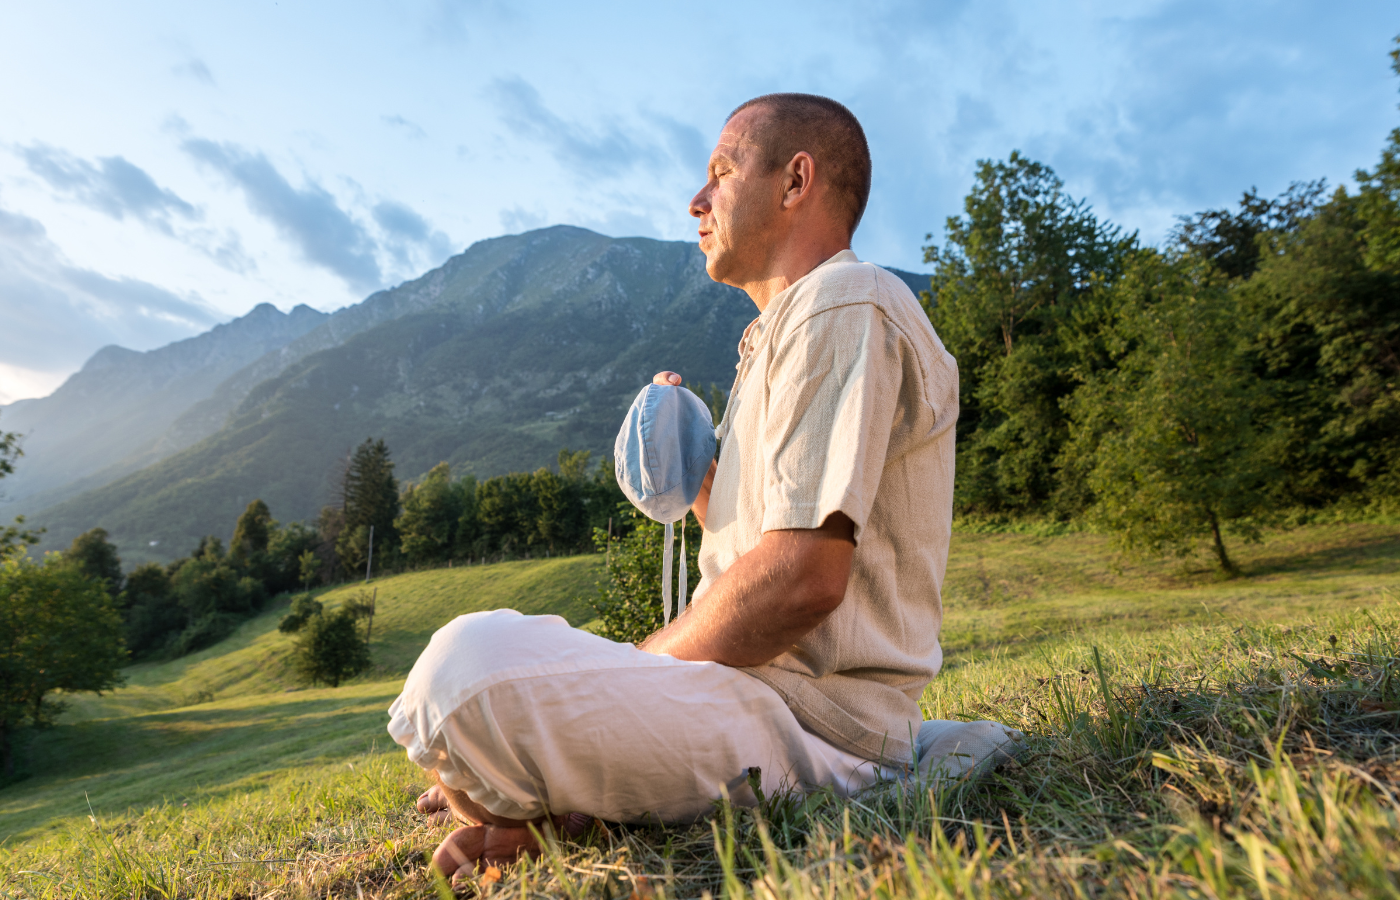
(846, 283)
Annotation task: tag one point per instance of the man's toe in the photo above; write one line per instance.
(460, 851)
(431, 800)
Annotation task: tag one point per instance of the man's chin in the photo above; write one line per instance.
(714, 266)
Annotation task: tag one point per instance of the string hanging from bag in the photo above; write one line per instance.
(668, 544)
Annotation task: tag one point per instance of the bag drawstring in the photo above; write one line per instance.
(668, 544)
(666, 574)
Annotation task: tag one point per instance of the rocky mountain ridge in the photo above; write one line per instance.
(494, 361)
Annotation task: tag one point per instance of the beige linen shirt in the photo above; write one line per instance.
(845, 401)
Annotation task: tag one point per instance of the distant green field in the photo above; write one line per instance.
(1021, 612)
(154, 741)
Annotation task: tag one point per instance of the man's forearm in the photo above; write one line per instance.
(767, 600)
(702, 502)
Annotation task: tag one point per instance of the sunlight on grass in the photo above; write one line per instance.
(1188, 737)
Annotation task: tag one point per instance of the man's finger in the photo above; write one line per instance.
(666, 378)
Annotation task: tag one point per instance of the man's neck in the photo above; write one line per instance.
(786, 267)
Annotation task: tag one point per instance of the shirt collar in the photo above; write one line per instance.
(844, 256)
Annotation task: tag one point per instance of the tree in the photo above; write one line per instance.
(252, 531)
(153, 612)
(329, 647)
(508, 510)
(629, 602)
(96, 557)
(215, 594)
(59, 630)
(561, 519)
(1329, 342)
(304, 607)
(1380, 199)
(14, 537)
(281, 569)
(370, 499)
(1230, 239)
(1178, 435)
(330, 524)
(310, 565)
(432, 511)
(1005, 297)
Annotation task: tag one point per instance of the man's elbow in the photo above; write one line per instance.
(820, 596)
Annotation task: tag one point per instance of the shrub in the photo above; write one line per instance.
(629, 602)
(329, 646)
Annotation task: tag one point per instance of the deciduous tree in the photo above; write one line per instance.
(95, 556)
(59, 630)
(1178, 433)
(1004, 290)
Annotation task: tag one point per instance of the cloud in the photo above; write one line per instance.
(519, 219)
(604, 151)
(685, 142)
(112, 186)
(57, 314)
(195, 69)
(411, 128)
(406, 231)
(310, 218)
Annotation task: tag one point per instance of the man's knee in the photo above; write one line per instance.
(474, 647)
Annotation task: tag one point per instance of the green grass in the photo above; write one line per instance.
(201, 726)
(1190, 737)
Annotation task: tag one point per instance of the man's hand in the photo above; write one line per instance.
(767, 600)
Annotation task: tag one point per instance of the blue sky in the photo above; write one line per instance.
(166, 166)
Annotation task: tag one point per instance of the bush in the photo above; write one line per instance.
(206, 631)
(629, 602)
(303, 608)
(329, 647)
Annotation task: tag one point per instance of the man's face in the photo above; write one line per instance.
(739, 204)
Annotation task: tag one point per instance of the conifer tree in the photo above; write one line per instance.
(370, 499)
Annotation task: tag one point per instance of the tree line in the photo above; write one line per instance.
(1245, 374)
(441, 519)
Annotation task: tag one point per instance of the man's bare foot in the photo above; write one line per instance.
(472, 846)
(433, 804)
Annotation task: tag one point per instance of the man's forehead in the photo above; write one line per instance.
(735, 137)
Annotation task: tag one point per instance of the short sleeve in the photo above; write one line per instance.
(832, 387)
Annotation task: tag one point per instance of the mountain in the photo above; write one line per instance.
(117, 414)
(511, 350)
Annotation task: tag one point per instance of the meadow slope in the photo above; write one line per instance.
(1149, 690)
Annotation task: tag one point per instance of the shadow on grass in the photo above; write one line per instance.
(1358, 552)
(200, 751)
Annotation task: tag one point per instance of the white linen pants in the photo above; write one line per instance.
(530, 717)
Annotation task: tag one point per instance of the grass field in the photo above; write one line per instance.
(1189, 737)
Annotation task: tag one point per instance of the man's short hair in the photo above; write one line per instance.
(825, 129)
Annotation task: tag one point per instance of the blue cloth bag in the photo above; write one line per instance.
(663, 452)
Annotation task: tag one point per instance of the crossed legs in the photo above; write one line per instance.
(522, 718)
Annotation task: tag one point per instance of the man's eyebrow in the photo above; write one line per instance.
(719, 156)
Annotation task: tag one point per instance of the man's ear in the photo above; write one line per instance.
(798, 179)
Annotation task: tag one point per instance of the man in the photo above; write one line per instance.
(814, 629)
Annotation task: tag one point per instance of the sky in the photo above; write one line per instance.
(166, 166)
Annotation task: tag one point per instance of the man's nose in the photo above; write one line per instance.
(700, 203)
